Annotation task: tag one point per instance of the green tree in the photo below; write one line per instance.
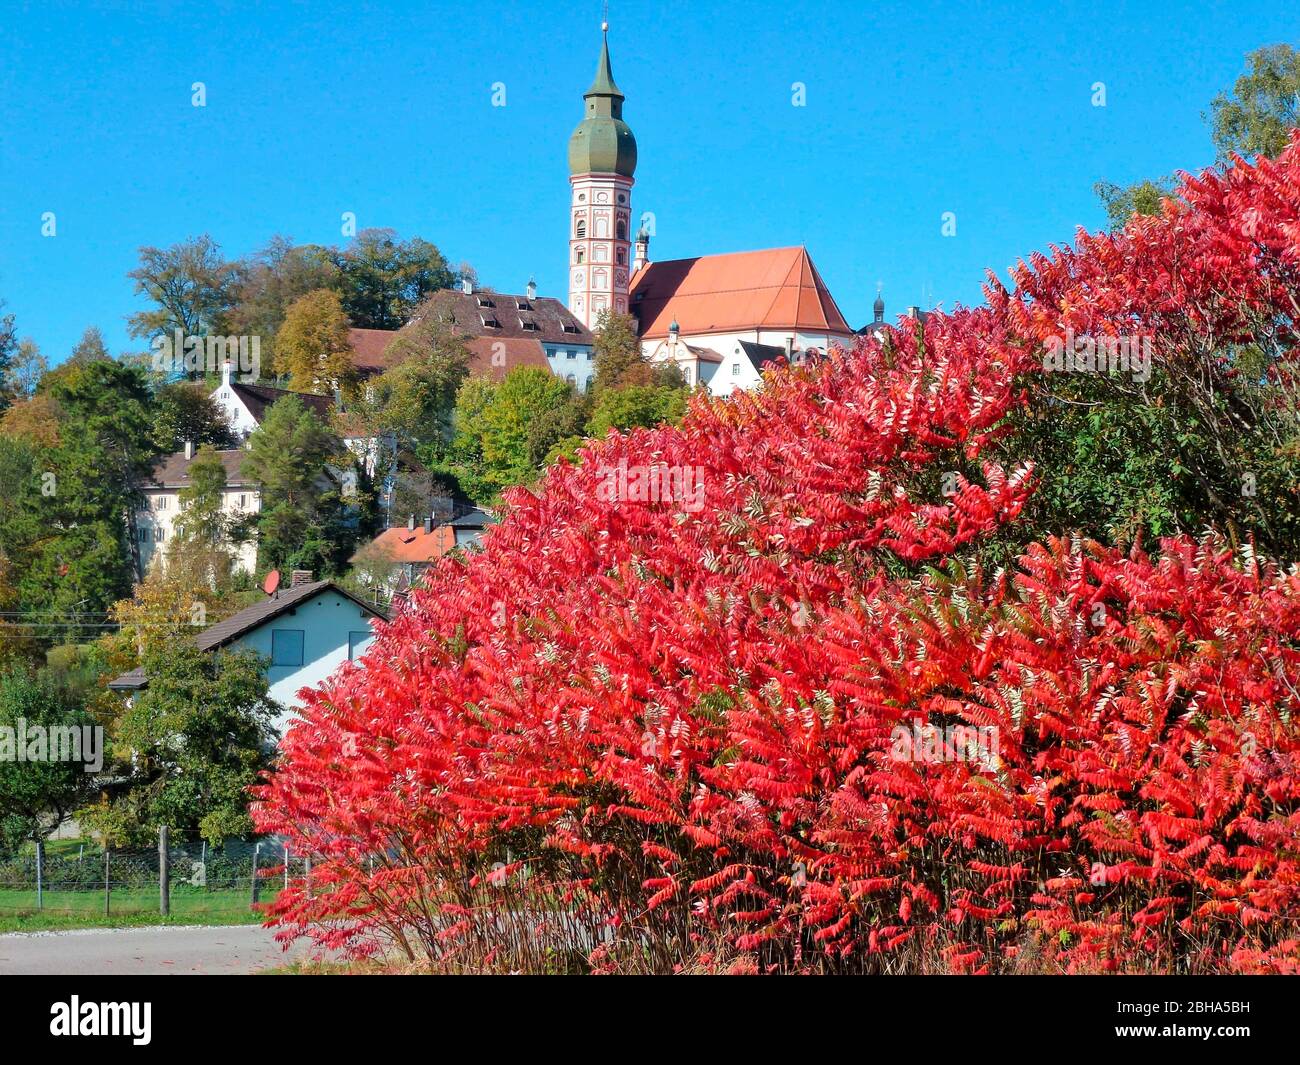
(303, 521)
(1142, 197)
(195, 740)
(313, 347)
(8, 353)
(27, 368)
(190, 284)
(1257, 116)
(90, 348)
(636, 405)
(38, 794)
(267, 283)
(71, 527)
(384, 279)
(184, 411)
(464, 463)
(617, 354)
(202, 518)
(429, 362)
(494, 440)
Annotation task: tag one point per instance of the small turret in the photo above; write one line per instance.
(642, 254)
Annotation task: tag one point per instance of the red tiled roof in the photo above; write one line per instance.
(778, 288)
(413, 545)
(492, 357)
(368, 348)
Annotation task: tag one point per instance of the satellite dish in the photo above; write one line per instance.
(272, 582)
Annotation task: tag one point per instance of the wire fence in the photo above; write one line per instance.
(177, 879)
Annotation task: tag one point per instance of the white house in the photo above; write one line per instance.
(306, 631)
(155, 522)
(245, 405)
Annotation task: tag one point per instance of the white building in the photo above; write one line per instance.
(155, 523)
(245, 405)
(305, 632)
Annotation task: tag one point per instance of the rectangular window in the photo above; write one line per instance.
(144, 535)
(160, 534)
(735, 369)
(286, 647)
(571, 354)
(358, 644)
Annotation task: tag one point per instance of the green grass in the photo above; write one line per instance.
(128, 907)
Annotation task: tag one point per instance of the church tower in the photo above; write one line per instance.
(602, 160)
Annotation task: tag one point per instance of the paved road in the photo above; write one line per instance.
(181, 950)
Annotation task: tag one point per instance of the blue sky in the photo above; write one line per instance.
(385, 109)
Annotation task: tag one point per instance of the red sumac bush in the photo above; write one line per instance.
(733, 696)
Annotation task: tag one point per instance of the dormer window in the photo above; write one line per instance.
(523, 305)
(529, 325)
(569, 327)
(483, 301)
(490, 320)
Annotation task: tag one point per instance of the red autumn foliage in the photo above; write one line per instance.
(641, 727)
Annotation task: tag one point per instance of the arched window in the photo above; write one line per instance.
(621, 229)
(580, 230)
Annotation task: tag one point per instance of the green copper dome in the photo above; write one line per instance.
(602, 143)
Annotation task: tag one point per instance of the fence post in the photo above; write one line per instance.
(256, 849)
(107, 890)
(164, 878)
(306, 875)
(40, 874)
(286, 867)
(203, 860)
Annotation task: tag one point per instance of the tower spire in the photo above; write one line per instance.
(602, 161)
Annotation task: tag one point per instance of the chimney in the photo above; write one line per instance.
(189, 450)
(467, 286)
(914, 312)
(531, 290)
(410, 523)
(428, 525)
(300, 577)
